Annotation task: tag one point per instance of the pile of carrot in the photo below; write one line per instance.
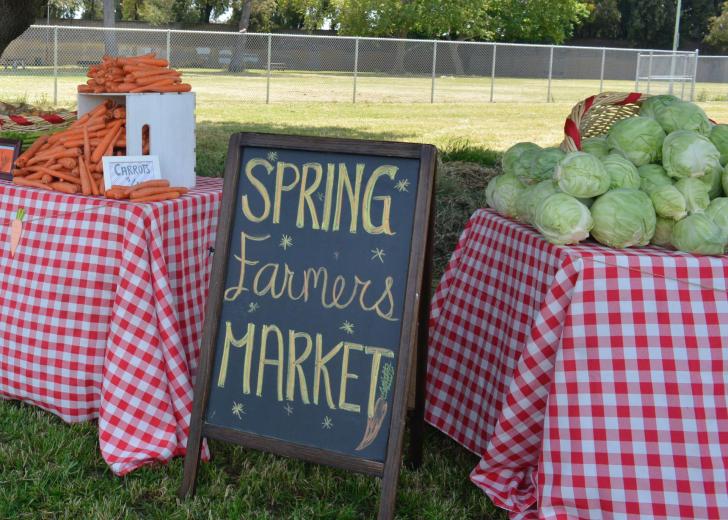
(148, 191)
(134, 74)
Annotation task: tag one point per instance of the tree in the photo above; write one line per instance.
(536, 21)
(603, 22)
(130, 9)
(718, 29)
(15, 17)
(696, 16)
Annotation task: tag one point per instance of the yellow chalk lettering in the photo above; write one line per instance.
(345, 376)
(263, 360)
(306, 194)
(280, 187)
(247, 342)
(322, 369)
(352, 193)
(294, 365)
(231, 293)
(385, 226)
(326, 218)
(260, 187)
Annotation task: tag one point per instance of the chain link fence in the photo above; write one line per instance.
(47, 62)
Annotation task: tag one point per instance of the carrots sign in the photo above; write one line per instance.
(313, 313)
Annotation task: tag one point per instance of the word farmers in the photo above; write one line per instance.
(342, 191)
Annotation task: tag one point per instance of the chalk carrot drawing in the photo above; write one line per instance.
(16, 231)
(374, 423)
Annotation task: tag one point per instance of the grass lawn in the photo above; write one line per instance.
(49, 469)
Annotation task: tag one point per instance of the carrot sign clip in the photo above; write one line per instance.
(16, 230)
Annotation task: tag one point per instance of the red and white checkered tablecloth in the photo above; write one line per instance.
(101, 312)
(592, 382)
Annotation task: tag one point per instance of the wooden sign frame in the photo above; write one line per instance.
(16, 144)
(413, 332)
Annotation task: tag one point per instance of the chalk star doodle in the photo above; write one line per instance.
(238, 409)
(336, 255)
(379, 254)
(253, 306)
(347, 327)
(320, 196)
(328, 423)
(402, 185)
(288, 408)
(272, 156)
(286, 242)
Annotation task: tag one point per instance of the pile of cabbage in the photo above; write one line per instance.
(655, 178)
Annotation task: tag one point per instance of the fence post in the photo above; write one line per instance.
(434, 68)
(169, 47)
(637, 74)
(695, 74)
(601, 73)
(492, 72)
(551, 68)
(356, 66)
(267, 84)
(649, 72)
(55, 66)
(684, 76)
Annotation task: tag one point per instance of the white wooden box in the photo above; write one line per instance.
(171, 120)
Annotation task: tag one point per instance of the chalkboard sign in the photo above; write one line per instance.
(313, 307)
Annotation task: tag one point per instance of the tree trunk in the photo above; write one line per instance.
(15, 17)
(237, 60)
(109, 23)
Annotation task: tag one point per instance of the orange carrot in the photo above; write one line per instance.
(65, 187)
(148, 192)
(85, 177)
(16, 231)
(21, 181)
(32, 149)
(86, 145)
(159, 197)
(104, 144)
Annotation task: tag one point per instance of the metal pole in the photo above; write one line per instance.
(695, 74)
(551, 68)
(649, 72)
(267, 84)
(675, 41)
(169, 47)
(637, 74)
(434, 68)
(356, 66)
(683, 79)
(492, 72)
(55, 66)
(601, 73)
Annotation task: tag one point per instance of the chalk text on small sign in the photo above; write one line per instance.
(130, 170)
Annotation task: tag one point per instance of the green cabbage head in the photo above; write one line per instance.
(622, 172)
(695, 193)
(698, 234)
(652, 105)
(513, 153)
(531, 198)
(719, 137)
(582, 175)
(562, 219)
(713, 181)
(639, 139)
(653, 176)
(543, 164)
(596, 146)
(502, 193)
(717, 211)
(683, 116)
(663, 232)
(688, 154)
(623, 218)
(669, 202)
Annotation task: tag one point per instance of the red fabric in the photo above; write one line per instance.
(572, 130)
(20, 120)
(54, 119)
(588, 102)
(592, 382)
(631, 98)
(101, 313)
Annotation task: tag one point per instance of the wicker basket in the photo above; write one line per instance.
(44, 123)
(596, 114)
